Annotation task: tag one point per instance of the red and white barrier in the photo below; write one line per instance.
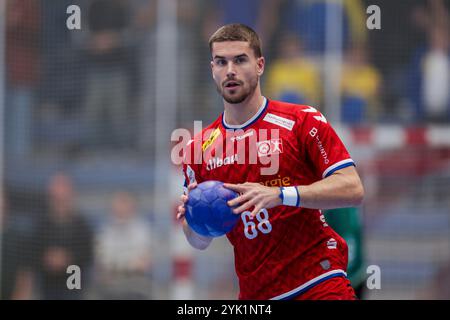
(391, 137)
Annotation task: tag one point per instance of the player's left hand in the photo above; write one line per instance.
(253, 194)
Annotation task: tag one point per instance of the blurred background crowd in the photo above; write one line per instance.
(87, 116)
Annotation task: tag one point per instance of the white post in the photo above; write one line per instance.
(2, 117)
(333, 61)
(166, 96)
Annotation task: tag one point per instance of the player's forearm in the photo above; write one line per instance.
(195, 240)
(341, 189)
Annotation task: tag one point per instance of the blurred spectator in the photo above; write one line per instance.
(144, 27)
(260, 15)
(257, 14)
(360, 87)
(62, 81)
(108, 58)
(15, 260)
(189, 27)
(308, 20)
(22, 73)
(440, 285)
(224, 12)
(292, 77)
(400, 37)
(61, 74)
(429, 72)
(123, 252)
(436, 76)
(63, 238)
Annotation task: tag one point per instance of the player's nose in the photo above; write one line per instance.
(231, 70)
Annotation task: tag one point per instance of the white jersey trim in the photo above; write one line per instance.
(332, 168)
(310, 283)
(246, 123)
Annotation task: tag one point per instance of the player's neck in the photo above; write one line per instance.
(239, 113)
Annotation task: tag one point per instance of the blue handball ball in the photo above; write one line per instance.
(207, 211)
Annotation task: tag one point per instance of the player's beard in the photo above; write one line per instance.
(245, 91)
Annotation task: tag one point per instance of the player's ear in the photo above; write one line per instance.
(260, 63)
(212, 69)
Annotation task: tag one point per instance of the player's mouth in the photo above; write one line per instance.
(232, 84)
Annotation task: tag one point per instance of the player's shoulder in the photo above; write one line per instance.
(205, 132)
(297, 112)
(202, 138)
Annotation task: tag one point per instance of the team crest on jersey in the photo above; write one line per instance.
(269, 147)
(212, 137)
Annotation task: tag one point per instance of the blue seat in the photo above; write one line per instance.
(354, 110)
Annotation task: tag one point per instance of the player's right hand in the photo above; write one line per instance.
(181, 210)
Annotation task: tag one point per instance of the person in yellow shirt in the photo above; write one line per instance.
(292, 77)
(360, 86)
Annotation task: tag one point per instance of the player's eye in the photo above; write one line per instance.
(240, 60)
(221, 62)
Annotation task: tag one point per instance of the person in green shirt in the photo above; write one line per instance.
(347, 223)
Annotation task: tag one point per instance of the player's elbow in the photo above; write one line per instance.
(357, 193)
(200, 243)
(194, 239)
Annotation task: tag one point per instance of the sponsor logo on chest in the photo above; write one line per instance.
(269, 147)
(262, 149)
(219, 162)
(212, 137)
(279, 121)
(243, 136)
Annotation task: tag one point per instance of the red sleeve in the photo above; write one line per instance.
(322, 145)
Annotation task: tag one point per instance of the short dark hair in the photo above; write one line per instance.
(237, 32)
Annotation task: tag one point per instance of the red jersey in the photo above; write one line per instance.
(282, 251)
